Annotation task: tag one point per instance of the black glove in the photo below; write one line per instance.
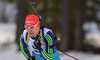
(31, 58)
(37, 44)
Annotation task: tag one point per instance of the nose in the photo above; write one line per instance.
(29, 30)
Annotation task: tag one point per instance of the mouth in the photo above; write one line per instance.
(30, 33)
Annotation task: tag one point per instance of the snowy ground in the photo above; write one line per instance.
(10, 53)
(8, 49)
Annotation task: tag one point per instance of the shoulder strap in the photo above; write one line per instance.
(42, 36)
(27, 39)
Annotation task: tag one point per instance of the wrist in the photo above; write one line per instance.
(40, 50)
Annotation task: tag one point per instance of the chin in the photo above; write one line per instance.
(31, 34)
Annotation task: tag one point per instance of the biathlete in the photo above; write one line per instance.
(39, 40)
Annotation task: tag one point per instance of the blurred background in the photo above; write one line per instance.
(75, 22)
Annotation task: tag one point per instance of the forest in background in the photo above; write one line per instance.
(65, 17)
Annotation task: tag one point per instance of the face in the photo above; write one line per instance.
(33, 32)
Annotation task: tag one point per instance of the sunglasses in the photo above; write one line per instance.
(31, 27)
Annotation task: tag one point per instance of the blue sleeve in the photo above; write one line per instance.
(49, 39)
(24, 48)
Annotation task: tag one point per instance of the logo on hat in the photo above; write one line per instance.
(28, 24)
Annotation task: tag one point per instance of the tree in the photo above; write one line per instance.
(78, 25)
(64, 25)
(20, 20)
(3, 13)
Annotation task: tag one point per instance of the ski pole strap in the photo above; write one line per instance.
(41, 35)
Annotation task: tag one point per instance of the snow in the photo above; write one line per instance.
(92, 36)
(9, 51)
(7, 33)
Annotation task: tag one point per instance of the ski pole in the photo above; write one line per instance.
(33, 5)
(67, 55)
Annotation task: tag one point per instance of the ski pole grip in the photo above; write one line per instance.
(32, 4)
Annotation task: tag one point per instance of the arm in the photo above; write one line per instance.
(24, 48)
(48, 55)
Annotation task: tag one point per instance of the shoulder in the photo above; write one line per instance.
(24, 32)
(24, 35)
(49, 38)
(46, 30)
(21, 36)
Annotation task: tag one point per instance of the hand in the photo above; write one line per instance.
(31, 58)
(37, 45)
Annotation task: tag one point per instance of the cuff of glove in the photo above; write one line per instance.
(40, 50)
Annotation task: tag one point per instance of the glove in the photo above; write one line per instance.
(31, 58)
(37, 45)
